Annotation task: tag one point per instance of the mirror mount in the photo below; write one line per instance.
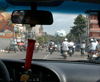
(32, 25)
(33, 6)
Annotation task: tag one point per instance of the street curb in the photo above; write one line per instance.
(3, 51)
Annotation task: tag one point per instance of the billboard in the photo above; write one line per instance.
(6, 26)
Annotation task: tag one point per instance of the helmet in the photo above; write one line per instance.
(98, 39)
(91, 40)
(65, 39)
(83, 41)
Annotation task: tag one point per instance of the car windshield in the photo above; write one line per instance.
(74, 25)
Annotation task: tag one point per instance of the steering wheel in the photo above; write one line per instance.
(4, 72)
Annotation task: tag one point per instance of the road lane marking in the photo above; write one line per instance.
(46, 56)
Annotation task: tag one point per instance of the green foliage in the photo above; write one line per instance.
(58, 39)
(40, 40)
(78, 29)
(28, 27)
(68, 36)
(46, 38)
(80, 24)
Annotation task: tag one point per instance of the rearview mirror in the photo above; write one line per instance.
(32, 17)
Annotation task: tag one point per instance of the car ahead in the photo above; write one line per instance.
(29, 17)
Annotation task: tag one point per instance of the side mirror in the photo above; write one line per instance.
(32, 17)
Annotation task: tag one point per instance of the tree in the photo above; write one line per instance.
(80, 25)
(68, 36)
(40, 40)
(57, 39)
(46, 38)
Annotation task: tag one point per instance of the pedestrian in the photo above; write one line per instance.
(36, 46)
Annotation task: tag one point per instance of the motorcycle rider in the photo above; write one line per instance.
(61, 47)
(71, 45)
(65, 45)
(95, 40)
(51, 43)
(83, 46)
(98, 46)
(55, 47)
(93, 46)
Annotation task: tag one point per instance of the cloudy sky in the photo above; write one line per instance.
(61, 21)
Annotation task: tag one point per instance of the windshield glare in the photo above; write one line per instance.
(69, 37)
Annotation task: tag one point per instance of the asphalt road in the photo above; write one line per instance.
(42, 55)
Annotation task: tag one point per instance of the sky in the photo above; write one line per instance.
(61, 21)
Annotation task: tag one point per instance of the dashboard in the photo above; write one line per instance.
(54, 71)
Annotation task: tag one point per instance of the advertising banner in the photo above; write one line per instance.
(6, 26)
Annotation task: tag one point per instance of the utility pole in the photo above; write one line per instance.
(87, 29)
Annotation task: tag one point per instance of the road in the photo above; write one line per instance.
(42, 55)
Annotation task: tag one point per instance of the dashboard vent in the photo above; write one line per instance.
(48, 77)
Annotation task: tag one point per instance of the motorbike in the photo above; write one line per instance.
(11, 49)
(70, 51)
(58, 49)
(51, 49)
(82, 52)
(55, 49)
(65, 54)
(36, 49)
(92, 55)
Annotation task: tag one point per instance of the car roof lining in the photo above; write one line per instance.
(46, 3)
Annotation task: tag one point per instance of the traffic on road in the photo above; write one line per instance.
(63, 51)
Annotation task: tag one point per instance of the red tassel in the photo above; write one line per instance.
(29, 55)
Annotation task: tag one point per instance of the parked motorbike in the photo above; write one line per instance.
(51, 49)
(92, 55)
(58, 49)
(11, 50)
(82, 52)
(65, 54)
(70, 51)
(36, 49)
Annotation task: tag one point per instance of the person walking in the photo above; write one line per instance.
(36, 46)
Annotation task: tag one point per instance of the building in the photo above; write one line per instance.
(94, 29)
(35, 30)
(19, 33)
(41, 31)
(6, 29)
(61, 33)
(38, 30)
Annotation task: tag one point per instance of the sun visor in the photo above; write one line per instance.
(49, 3)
